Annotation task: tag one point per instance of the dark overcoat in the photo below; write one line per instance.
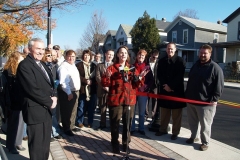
(171, 72)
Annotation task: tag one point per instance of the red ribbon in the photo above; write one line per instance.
(159, 96)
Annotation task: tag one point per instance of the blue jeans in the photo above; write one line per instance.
(90, 108)
(55, 126)
(141, 103)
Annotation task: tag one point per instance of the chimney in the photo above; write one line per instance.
(219, 22)
(164, 19)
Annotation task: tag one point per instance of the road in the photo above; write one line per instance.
(226, 123)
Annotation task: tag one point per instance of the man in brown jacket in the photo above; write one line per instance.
(103, 91)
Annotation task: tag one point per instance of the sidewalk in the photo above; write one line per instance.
(92, 144)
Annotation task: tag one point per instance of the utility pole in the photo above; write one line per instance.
(49, 23)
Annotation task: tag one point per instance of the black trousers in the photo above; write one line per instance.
(39, 136)
(116, 113)
(14, 129)
(68, 109)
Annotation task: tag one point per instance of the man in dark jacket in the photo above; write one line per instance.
(171, 78)
(37, 85)
(205, 83)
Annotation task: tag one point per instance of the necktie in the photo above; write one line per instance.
(107, 64)
(44, 71)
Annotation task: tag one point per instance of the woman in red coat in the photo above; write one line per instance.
(122, 93)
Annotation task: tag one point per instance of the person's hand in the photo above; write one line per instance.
(108, 73)
(54, 104)
(89, 82)
(214, 103)
(70, 97)
(106, 88)
(167, 88)
(143, 73)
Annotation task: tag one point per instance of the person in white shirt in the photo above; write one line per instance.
(68, 92)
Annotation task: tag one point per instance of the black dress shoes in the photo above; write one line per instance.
(76, 129)
(126, 149)
(160, 133)
(69, 133)
(101, 128)
(116, 149)
(58, 137)
(174, 137)
(20, 148)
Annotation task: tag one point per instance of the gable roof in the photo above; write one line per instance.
(112, 32)
(232, 16)
(127, 29)
(198, 24)
(161, 25)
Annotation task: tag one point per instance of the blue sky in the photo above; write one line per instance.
(71, 24)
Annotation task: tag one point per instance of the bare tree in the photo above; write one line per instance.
(95, 32)
(11, 6)
(191, 13)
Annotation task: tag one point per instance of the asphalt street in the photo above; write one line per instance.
(226, 123)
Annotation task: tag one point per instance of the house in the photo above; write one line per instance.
(189, 34)
(110, 41)
(115, 39)
(123, 37)
(232, 46)
(162, 25)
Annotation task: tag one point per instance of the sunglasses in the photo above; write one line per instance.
(49, 55)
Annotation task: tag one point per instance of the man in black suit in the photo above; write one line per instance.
(38, 99)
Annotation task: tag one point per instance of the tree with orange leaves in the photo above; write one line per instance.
(19, 18)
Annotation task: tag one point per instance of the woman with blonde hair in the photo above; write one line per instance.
(47, 58)
(15, 119)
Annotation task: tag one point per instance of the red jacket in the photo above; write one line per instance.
(120, 93)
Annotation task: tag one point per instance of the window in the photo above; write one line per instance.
(185, 36)
(238, 31)
(215, 37)
(121, 43)
(174, 36)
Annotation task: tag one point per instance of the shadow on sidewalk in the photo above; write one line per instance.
(90, 144)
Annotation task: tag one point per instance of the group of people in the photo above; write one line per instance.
(51, 88)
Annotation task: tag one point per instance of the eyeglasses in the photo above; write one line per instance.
(49, 55)
(155, 57)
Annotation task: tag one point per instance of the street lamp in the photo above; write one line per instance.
(49, 23)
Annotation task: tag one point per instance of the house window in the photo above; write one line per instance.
(174, 36)
(121, 33)
(185, 36)
(238, 31)
(237, 51)
(215, 37)
(121, 43)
